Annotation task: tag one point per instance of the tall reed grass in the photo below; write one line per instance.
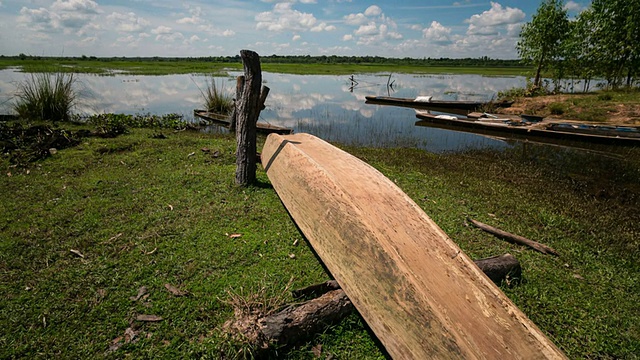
(46, 96)
(216, 98)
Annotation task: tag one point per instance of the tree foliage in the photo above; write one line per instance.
(541, 39)
(602, 42)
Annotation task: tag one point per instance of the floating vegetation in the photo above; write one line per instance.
(116, 124)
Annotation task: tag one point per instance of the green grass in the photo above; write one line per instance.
(123, 66)
(206, 67)
(146, 212)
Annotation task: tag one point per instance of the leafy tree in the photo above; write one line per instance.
(541, 39)
(580, 55)
(616, 36)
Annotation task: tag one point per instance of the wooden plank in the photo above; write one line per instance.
(222, 120)
(420, 294)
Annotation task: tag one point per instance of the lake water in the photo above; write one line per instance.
(324, 105)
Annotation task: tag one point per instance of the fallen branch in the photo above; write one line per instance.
(512, 238)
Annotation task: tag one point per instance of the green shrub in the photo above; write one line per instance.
(605, 97)
(556, 108)
(110, 125)
(529, 90)
(46, 96)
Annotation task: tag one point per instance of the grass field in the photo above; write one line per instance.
(139, 210)
(203, 67)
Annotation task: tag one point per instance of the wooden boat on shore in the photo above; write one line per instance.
(542, 131)
(426, 103)
(224, 121)
(418, 292)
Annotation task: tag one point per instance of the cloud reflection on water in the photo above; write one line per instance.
(324, 105)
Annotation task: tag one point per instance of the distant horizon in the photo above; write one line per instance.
(455, 29)
(151, 57)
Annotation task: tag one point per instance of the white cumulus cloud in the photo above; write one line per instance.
(128, 22)
(496, 16)
(284, 18)
(437, 33)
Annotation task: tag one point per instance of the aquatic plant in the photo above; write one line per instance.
(46, 96)
(216, 98)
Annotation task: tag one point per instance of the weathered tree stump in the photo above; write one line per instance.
(248, 107)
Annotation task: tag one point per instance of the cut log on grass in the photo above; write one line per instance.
(299, 322)
(418, 292)
(292, 325)
(513, 238)
(315, 290)
(296, 323)
(500, 268)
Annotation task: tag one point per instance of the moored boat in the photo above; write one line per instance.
(427, 103)
(540, 130)
(224, 121)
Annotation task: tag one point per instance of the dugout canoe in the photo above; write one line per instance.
(543, 131)
(223, 120)
(418, 292)
(456, 107)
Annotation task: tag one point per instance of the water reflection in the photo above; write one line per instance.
(324, 105)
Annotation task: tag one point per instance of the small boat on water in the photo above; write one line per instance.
(223, 120)
(541, 130)
(427, 103)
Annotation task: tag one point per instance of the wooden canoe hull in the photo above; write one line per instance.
(224, 121)
(420, 294)
(535, 131)
(455, 107)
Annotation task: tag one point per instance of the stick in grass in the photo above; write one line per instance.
(512, 238)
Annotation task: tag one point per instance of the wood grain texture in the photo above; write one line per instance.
(418, 292)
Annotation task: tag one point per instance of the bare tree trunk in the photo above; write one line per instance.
(248, 111)
(234, 115)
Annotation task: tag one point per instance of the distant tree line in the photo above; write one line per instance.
(602, 42)
(483, 61)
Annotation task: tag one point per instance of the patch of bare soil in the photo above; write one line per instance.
(610, 112)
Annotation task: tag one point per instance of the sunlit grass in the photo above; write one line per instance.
(148, 211)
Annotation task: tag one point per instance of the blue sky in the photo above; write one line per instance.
(413, 28)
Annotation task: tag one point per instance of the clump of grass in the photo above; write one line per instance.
(605, 97)
(216, 98)
(556, 109)
(46, 96)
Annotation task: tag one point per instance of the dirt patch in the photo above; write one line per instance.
(582, 107)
